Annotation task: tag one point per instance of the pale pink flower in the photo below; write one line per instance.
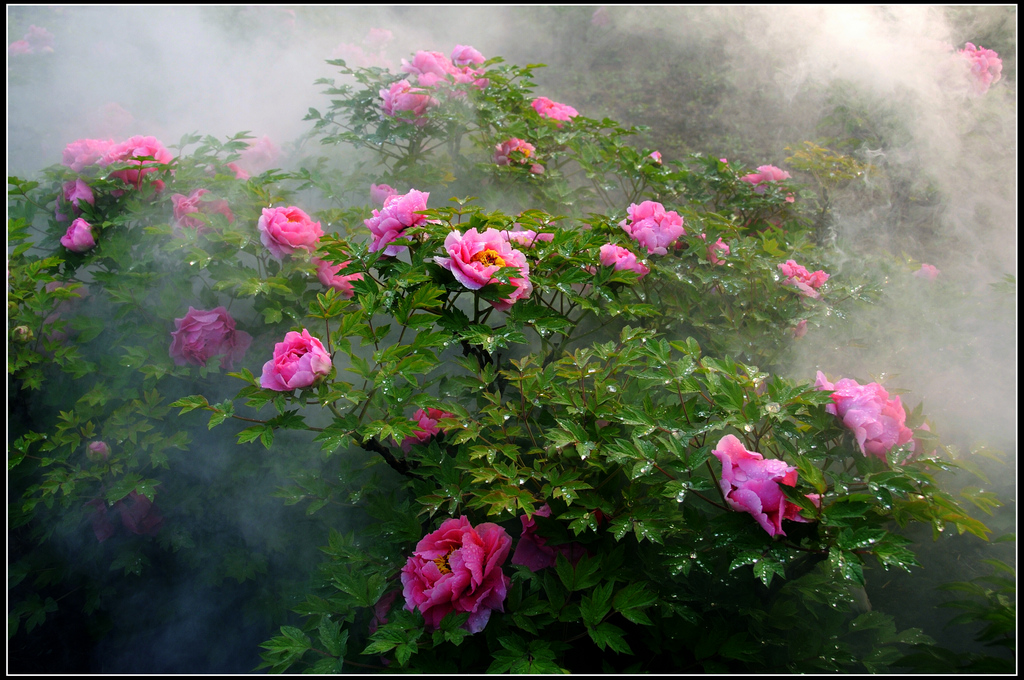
(73, 192)
(917, 446)
(751, 484)
(986, 66)
(464, 55)
(767, 173)
(655, 156)
(355, 55)
(378, 37)
(82, 153)
(18, 48)
(928, 272)
(429, 67)
(285, 230)
(380, 193)
(398, 214)
(474, 259)
(299, 361)
(137, 147)
(546, 108)
(723, 160)
(187, 206)
(330, 275)
(402, 100)
(239, 172)
(458, 569)
(526, 238)
(800, 330)
(78, 238)
(806, 282)
(201, 335)
(533, 552)
(261, 155)
(97, 451)
(622, 259)
(536, 169)
(718, 246)
(514, 149)
(878, 422)
(653, 227)
(426, 427)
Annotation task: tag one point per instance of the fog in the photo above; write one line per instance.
(745, 81)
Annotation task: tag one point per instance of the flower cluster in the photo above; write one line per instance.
(187, 206)
(138, 515)
(458, 569)
(433, 69)
(36, 41)
(986, 66)
(878, 422)
(807, 282)
(653, 227)
(518, 151)
(298, 362)
(474, 259)
(546, 108)
(398, 214)
(201, 335)
(285, 230)
(751, 484)
(142, 154)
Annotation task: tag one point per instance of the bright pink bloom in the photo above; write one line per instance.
(330, 275)
(458, 569)
(751, 484)
(260, 155)
(464, 55)
(878, 422)
(299, 361)
(718, 246)
(526, 238)
(379, 193)
(201, 335)
(97, 451)
(474, 259)
(533, 552)
(655, 156)
(131, 149)
(285, 230)
(765, 173)
(652, 226)
(807, 282)
(402, 100)
(429, 67)
(426, 427)
(186, 206)
(546, 108)
(78, 238)
(986, 66)
(927, 271)
(800, 330)
(19, 47)
(82, 153)
(398, 214)
(503, 153)
(622, 259)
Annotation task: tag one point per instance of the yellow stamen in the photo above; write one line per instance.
(442, 563)
(489, 258)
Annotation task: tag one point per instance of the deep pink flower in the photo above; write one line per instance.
(622, 259)
(652, 226)
(526, 238)
(299, 361)
(186, 206)
(398, 214)
(514, 149)
(285, 230)
(751, 484)
(380, 193)
(986, 66)
(97, 451)
(139, 515)
(878, 422)
(546, 108)
(73, 192)
(927, 271)
(426, 427)
(82, 153)
(405, 103)
(474, 259)
(807, 282)
(260, 155)
(201, 335)
(533, 552)
(131, 149)
(330, 275)
(458, 569)
(78, 238)
(655, 156)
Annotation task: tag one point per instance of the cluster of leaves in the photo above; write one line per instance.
(601, 396)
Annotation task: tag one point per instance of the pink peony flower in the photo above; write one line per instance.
(298, 362)
(102, 527)
(285, 230)
(532, 550)
(78, 238)
(379, 193)
(800, 330)
(239, 172)
(201, 335)
(398, 214)
(655, 156)
(986, 66)
(97, 451)
(458, 569)
(503, 153)
(807, 282)
(429, 67)
(41, 40)
(537, 169)
(329, 275)
(878, 422)
(652, 226)
(765, 173)
(927, 271)
(475, 258)
(526, 238)
(261, 155)
(139, 515)
(546, 108)
(73, 192)
(426, 427)
(18, 48)
(751, 484)
(402, 100)
(381, 610)
(131, 149)
(82, 153)
(622, 259)
(718, 246)
(464, 55)
(186, 206)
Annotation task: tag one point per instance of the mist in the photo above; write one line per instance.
(745, 81)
